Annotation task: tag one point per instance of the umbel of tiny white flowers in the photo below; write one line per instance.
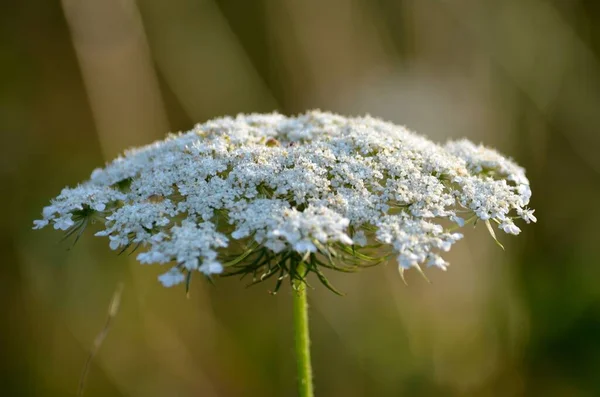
(260, 194)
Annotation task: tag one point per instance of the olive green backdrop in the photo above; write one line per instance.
(80, 81)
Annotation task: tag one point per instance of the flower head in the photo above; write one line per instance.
(261, 193)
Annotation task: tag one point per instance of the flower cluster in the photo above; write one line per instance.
(260, 193)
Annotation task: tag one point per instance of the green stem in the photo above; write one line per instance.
(302, 338)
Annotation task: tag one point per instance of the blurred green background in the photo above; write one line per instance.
(82, 80)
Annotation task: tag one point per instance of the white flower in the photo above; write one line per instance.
(415, 240)
(360, 238)
(64, 222)
(527, 215)
(193, 246)
(316, 184)
(172, 277)
(39, 224)
(509, 227)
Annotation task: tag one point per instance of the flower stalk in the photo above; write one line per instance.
(302, 335)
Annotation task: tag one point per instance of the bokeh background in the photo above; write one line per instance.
(80, 81)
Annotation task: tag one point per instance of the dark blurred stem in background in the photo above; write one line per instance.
(113, 309)
(301, 333)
